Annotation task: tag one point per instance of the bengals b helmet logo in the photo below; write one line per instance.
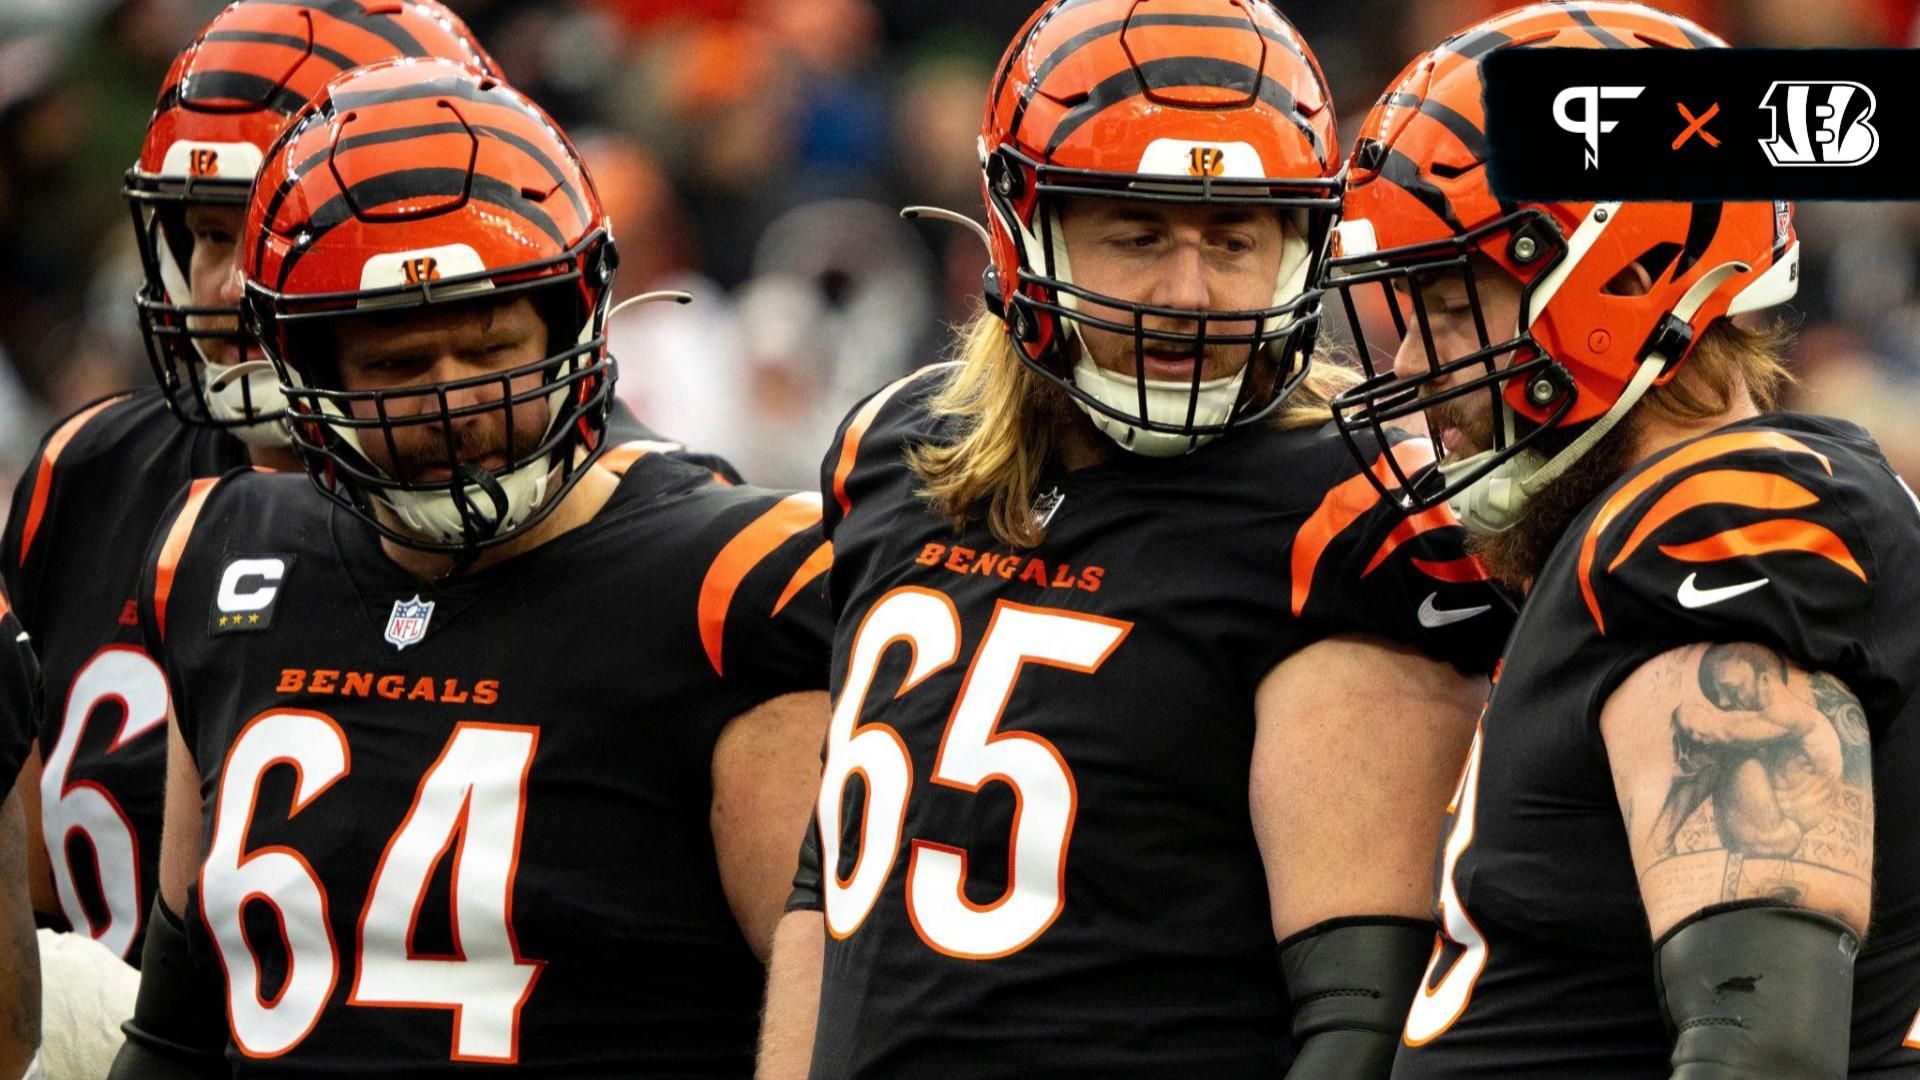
(425, 268)
(1206, 161)
(203, 163)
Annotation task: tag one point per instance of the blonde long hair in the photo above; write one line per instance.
(1004, 415)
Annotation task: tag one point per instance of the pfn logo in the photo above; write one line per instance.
(1820, 123)
(425, 268)
(204, 163)
(1206, 161)
(1588, 124)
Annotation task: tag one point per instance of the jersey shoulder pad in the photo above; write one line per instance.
(628, 437)
(1358, 562)
(94, 431)
(1750, 533)
(231, 506)
(758, 557)
(870, 442)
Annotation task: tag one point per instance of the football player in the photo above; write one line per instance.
(73, 542)
(1690, 799)
(1102, 590)
(499, 751)
(19, 954)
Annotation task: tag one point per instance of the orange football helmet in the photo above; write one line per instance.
(1418, 207)
(1214, 102)
(410, 184)
(229, 94)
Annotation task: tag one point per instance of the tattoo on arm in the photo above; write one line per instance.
(1771, 790)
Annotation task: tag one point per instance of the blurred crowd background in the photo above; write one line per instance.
(755, 153)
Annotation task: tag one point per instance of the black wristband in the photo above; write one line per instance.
(178, 1030)
(1351, 982)
(1758, 988)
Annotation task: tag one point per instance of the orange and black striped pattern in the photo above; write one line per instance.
(409, 155)
(1086, 84)
(1720, 472)
(259, 61)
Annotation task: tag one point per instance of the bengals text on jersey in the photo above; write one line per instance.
(70, 557)
(1784, 531)
(468, 821)
(1035, 812)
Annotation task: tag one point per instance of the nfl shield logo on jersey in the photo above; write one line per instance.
(408, 623)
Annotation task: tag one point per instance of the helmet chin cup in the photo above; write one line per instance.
(237, 394)
(1212, 404)
(1490, 505)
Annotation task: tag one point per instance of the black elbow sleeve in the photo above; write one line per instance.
(1758, 990)
(178, 1030)
(1351, 982)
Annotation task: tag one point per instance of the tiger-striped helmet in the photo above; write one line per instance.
(228, 95)
(1419, 210)
(412, 185)
(1209, 102)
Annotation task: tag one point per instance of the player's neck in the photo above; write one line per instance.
(1656, 431)
(581, 503)
(275, 458)
(1078, 444)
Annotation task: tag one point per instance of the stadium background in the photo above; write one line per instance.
(755, 153)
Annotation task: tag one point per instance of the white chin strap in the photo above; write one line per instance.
(1494, 502)
(433, 515)
(1491, 504)
(231, 386)
(1167, 403)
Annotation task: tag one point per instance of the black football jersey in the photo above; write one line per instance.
(468, 821)
(71, 556)
(19, 697)
(1039, 859)
(1787, 531)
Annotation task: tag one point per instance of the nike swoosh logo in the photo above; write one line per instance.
(1693, 597)
(1434, 618)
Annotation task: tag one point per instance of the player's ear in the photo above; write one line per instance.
(1632, 280)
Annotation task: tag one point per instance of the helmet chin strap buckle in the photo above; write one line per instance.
(475, 521)
(1493, 503)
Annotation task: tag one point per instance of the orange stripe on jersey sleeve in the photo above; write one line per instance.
(817, 563)
(1462, 571)
(1426, 521)
(1733, 487)
(1777, 534)
(857, 428)
(176, 546)
(43, 477)
(1343, 505)
(1647, 479)
(618, 459)
(738, 558)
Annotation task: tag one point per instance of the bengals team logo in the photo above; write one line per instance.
(1820, 123)
(1206, 161)
(424, 268)
(203, 163)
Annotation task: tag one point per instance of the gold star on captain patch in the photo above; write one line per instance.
(253, 618)
(223, 620)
